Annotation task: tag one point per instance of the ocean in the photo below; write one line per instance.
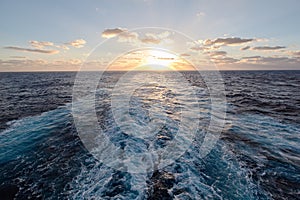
(257, 155)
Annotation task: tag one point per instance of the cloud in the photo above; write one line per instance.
(197, 48)
(79, 43)
(227, 41)
(40, 45)
(184, 55)
(245, 48)
(267, 48)
(22, 63)
(201, 14)
(216, 53)
(39, 65)
(251, 57)
(224, 60)
(20, 57)
(258, 61)
(109, 33)
(151, 38)
(127, 36)
(295, 53)
(270, 60)
(275, 59)
(164, 58)
(32, 50)
(124, 35)
(64, 47)
(209, 45)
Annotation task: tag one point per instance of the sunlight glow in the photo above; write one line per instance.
(159, 60)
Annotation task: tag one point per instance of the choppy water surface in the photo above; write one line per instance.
(257, 156)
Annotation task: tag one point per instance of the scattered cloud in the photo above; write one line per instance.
(40, 45)
(32, 50)
(64, 47)
(124, 35)
(151, 38)
(245, 48)
(268, 48)
(127, 36)
(79, 43)
(109, 33)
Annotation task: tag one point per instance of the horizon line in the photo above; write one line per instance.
(151, 70)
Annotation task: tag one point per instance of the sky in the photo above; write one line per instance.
(120, 35)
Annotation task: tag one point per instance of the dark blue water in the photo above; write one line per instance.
(257, 156)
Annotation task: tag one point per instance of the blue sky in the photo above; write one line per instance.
(73, 28)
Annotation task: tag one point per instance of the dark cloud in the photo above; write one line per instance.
(245, 48)
(185, 55)
(277, 60)
(295, 53)
(227, 41)
(32, 50)
(216, 53)
(268, 48)
(164, 58)
(269, 60)
(251, 57)
(21, 57)
(224, 60)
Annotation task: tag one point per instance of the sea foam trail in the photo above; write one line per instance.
(187, 177)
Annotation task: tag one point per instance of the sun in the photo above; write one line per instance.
(149, 60)
(159, 60)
